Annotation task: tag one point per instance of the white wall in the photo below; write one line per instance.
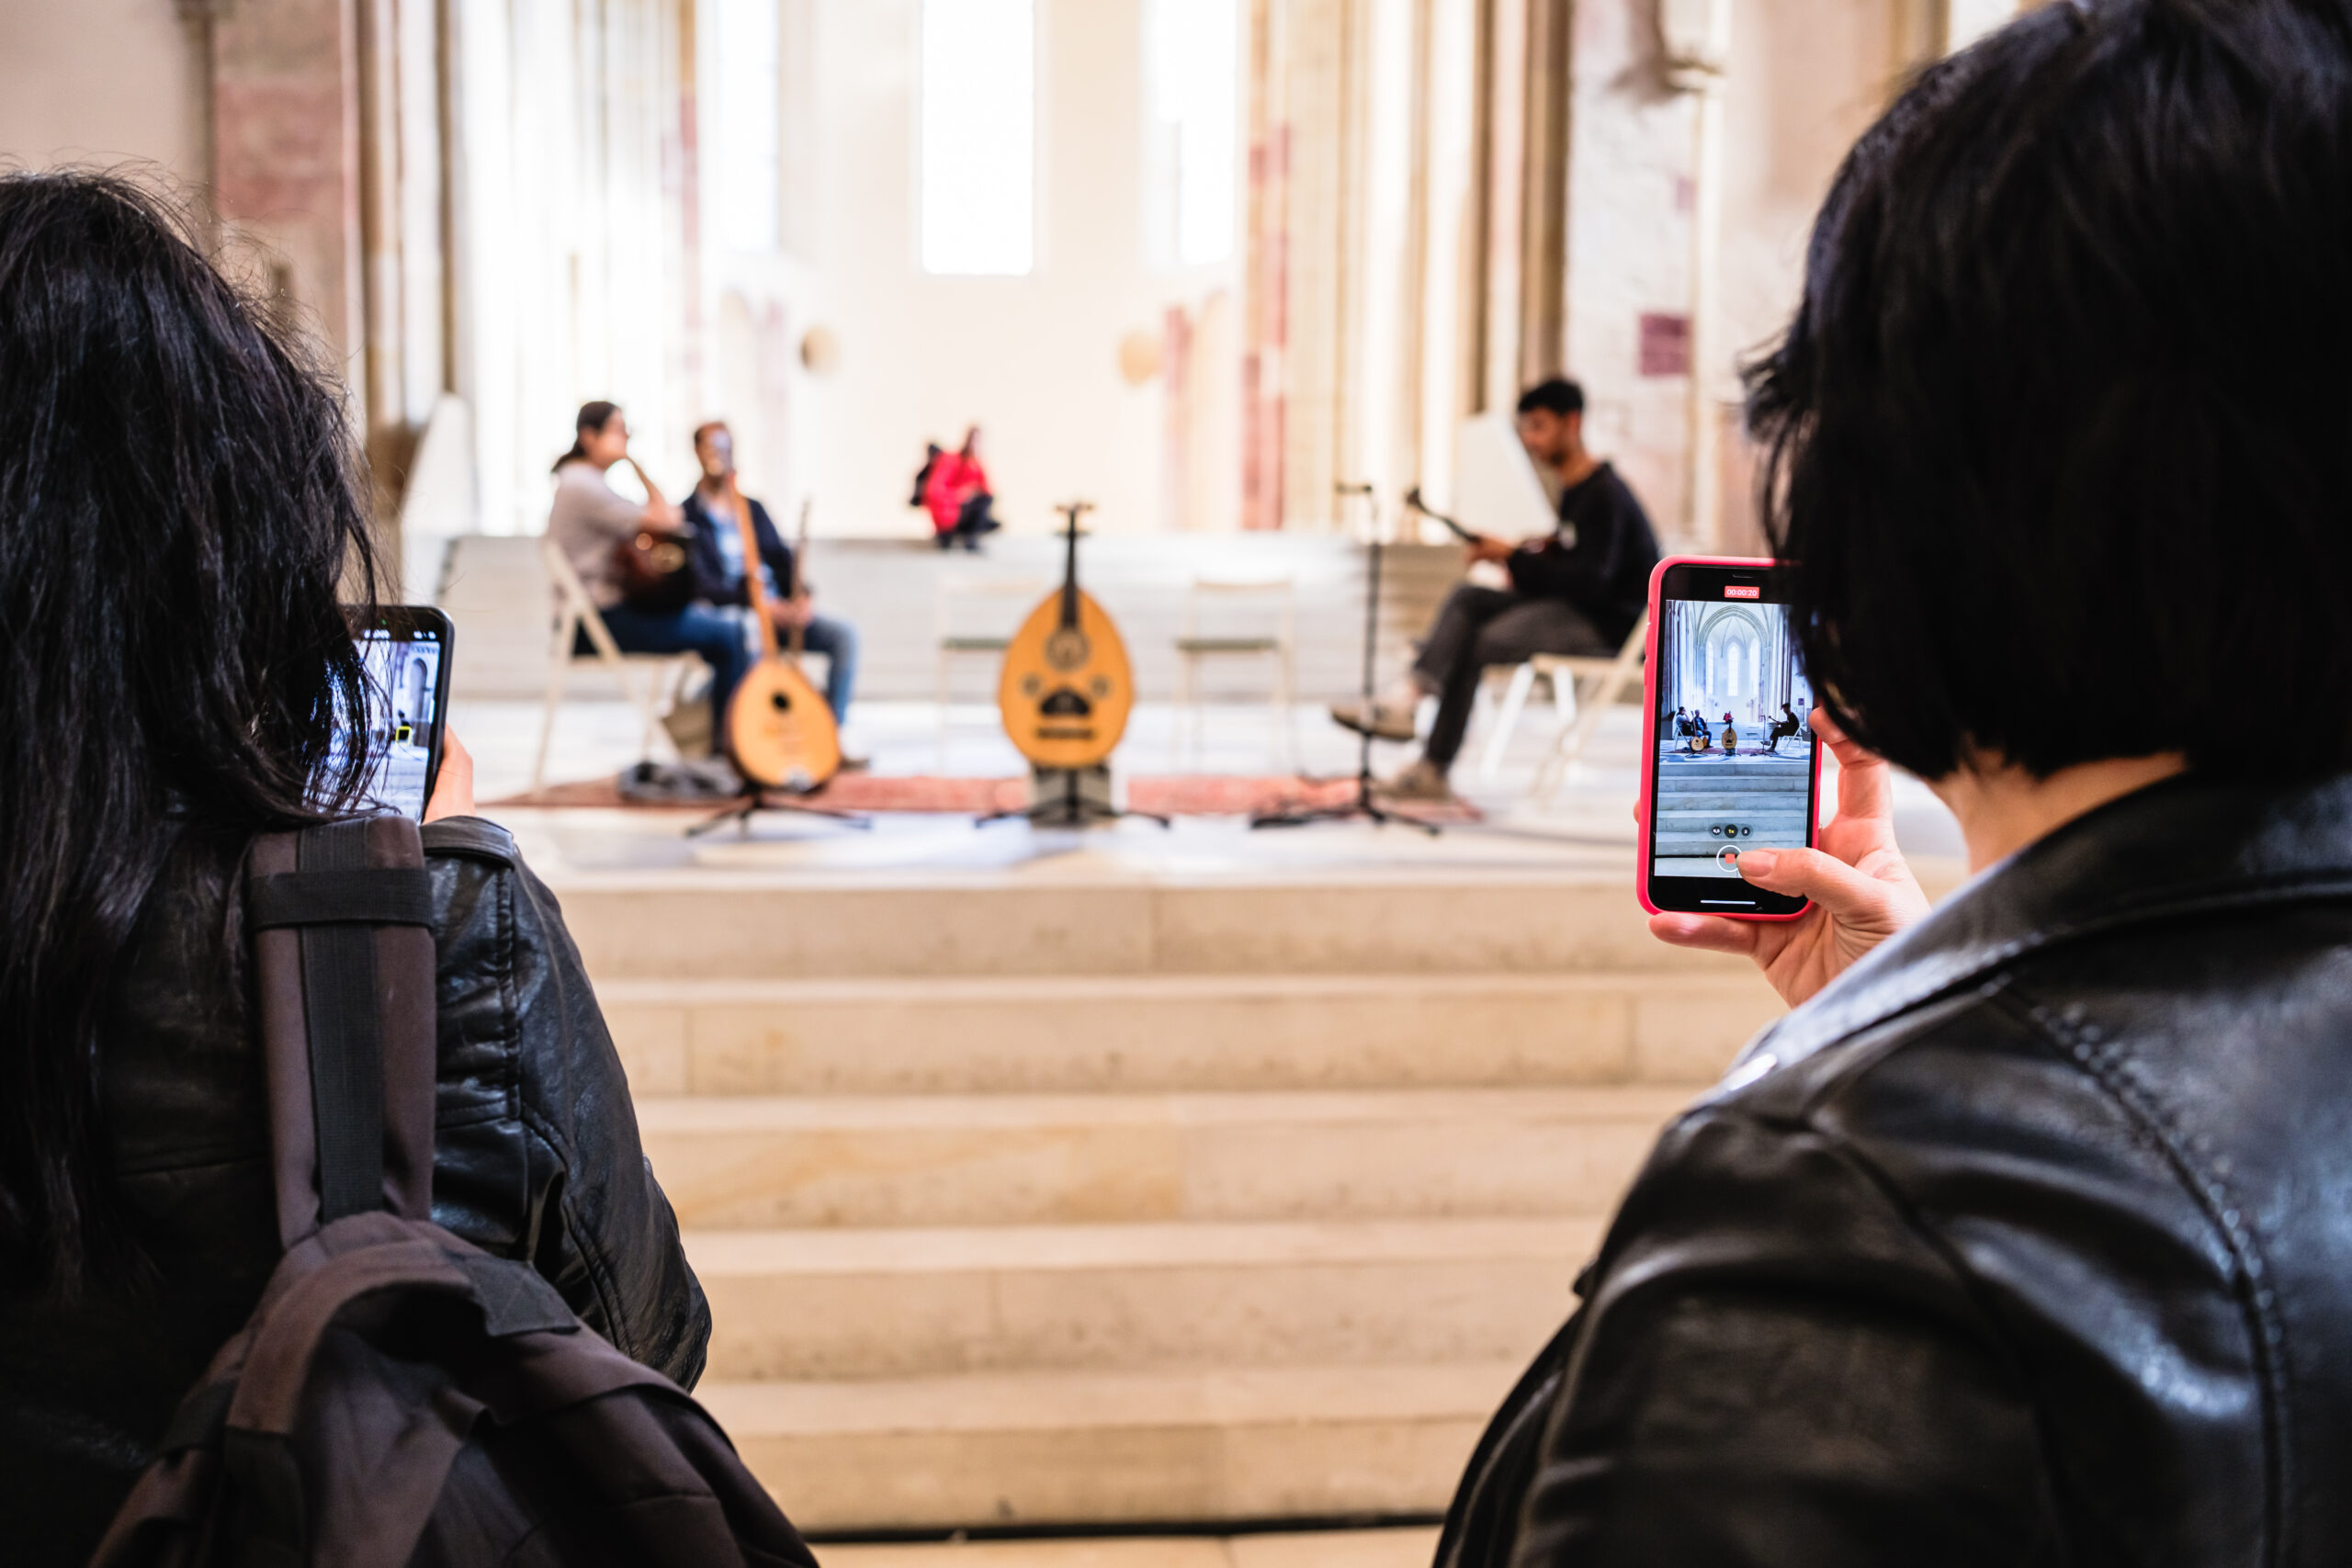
(100, 82)
(1033, 360)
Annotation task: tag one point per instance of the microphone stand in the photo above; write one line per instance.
(1362, 806)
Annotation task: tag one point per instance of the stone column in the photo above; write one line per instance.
(1696, 40)
(1544, 202)
(286, 159)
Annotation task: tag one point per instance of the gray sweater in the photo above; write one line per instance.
(588, 518)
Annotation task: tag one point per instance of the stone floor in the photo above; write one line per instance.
(1590, 819)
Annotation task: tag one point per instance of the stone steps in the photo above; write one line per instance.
(722, 925)
(1115, 1448)
(977, 1160)
(850, 1304)
(1084, 1033)
(1071, 1194)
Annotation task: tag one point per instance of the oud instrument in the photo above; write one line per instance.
(780, 731)
(654, 573)
(1067, 688)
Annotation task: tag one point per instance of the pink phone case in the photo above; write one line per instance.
(1649, 732)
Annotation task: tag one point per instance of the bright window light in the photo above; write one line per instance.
(1195, 72)
(980, 137)
(751, 176)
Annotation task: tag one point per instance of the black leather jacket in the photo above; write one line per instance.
(537, 1157)
(2029, 1241)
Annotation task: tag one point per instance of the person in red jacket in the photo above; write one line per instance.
(958, 497)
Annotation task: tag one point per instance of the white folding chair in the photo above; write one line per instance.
(1276, 638)
(1504, 717)
(976, 617)
(1609, 679)
(665, 674)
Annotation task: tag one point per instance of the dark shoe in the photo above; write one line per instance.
(1385, 721)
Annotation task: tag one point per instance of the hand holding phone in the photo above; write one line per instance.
(1859, 889)
(1730, 768)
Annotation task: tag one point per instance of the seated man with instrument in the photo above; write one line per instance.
(715, 545)
(594, 524)
(1578, 589)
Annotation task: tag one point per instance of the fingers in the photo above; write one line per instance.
(1865, 784)
(1847, 894)
(453, 787)
(1708, 933)
(1849, 752)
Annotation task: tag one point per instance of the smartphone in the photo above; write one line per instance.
(1732, 765)
(404, 648)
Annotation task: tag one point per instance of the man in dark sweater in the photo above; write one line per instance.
(1578, 589)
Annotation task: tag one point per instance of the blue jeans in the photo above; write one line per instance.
(716, 635)
(837, 640)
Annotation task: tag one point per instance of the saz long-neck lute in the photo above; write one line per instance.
(780, 731)
(1066, 689)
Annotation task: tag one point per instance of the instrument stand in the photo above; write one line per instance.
(755, 800)
(1059, 797)
(1364, 805)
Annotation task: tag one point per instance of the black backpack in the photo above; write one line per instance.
(922, 475)
(400, 1398)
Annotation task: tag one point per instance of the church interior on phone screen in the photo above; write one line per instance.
(1179, 1167)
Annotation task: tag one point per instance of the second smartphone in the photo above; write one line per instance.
(1732, 765)
(404, 648)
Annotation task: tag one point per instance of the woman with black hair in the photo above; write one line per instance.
(589, 518)
(2025, 1237)
(180, 516)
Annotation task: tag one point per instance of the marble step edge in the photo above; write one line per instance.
(1151, 985)
(934, 1251)
(717, 875)
(1642, 1105)
(1066, 1400)
(1113, 1447)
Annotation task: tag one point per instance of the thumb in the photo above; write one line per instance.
(1849, 894)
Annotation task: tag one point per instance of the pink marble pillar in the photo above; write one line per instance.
(286, 174)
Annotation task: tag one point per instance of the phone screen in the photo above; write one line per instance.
(1732, 747)
(405, 656)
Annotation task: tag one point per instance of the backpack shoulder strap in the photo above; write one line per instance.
(341, 917)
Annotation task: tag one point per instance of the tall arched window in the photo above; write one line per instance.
(750, 128)
(1195, 75)
(980, 137)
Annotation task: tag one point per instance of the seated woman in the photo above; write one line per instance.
(2024, 1239)
(589, 518)
(956, 491)
(183, 511)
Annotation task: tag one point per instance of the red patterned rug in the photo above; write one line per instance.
(1171, 795)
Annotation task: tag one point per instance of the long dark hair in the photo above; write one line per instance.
(179, 521)
(592, 416)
